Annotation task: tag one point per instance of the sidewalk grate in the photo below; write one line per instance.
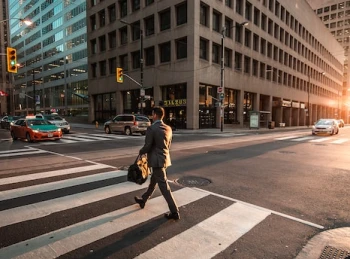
(330, 252)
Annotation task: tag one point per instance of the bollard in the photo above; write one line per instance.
(96, 124)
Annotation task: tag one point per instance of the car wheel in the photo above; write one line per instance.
(66, 131)
(127, 131)
(107, 130)
(28, 138)
(13, 135)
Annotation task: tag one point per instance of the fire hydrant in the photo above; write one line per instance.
(96, 123)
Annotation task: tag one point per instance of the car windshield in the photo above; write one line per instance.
(324, 122)
(38, 122)
(141, 118)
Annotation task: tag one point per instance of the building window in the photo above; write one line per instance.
(248, 11)
(135, 5)
(255, 67)
(93, 22)
(102, 42)
(112, 39)
(112, 65)
(216, 21)
(246, 64)
(203, 49)
(135, 27)
(228, 58)
(247, 38)
(181, 48)
(181, 13)
(215, 53)
(123, 35)
(149, 25)
(204, 9)
(102, 18)
(164, 52)
(238, 34)
(93, 2)
(149, 56)
(238, 61)
(228, 3)
(256, 42)
(123, 8)
(239, 7)
(148, 2)
(112, 13)
(228, 27)
(123, 62)
(93, 70)
(93, 46)
(103, 68)
(164, 19)
(135, 56)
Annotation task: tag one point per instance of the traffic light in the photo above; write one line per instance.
(11, 60)
(120, 78)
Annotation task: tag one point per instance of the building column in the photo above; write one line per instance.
(240, 105)
(193, 105)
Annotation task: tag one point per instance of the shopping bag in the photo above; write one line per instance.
(138, 172)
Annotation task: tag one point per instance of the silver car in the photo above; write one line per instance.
(58, 121)
(127, 124)
(325, 126)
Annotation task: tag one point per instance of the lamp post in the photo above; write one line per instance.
(142, 89)
(222, 74)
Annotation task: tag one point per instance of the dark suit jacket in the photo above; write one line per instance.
(157, 145)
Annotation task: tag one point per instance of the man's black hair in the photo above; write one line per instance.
(159, 111)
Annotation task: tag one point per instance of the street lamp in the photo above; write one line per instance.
(25, 21)
(308, 98)
(142, 89)
(222, 74)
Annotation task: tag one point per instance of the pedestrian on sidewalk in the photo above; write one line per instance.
(157, 147)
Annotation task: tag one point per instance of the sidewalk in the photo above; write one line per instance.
(326, 244)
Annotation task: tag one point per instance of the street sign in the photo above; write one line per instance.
(221, 96)
(220, 90)
(142, 92)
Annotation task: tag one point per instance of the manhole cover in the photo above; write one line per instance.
(193, 181)
(330, 252)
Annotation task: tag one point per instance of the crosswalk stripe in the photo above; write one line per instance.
(319, 140)
(42, 209)
(302, 139)
(339, 141)
(26, 191)
(237, 219)
(285, 138)
(21, 152)
(56, 243)
(23, 178)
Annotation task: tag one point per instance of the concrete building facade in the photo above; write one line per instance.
(335, 14)
(52, 56)
(284, 66)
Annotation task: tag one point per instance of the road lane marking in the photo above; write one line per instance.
(271, 211)
(29, 177)
(302, 139)
(45, 208)
(26, 191)
(340, 141)
(285, 138)
(21, 152)
(319, 140)
(210, 236)
(64, 240)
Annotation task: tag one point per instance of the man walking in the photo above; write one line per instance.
(157, 147)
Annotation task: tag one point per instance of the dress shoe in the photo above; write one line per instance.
(140, 202)
(175, 216)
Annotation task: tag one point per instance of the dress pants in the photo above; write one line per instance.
(159, 177)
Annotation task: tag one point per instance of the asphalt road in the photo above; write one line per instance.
(240, 196)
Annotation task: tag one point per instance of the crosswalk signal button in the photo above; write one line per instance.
(11, 60)
(120, 77)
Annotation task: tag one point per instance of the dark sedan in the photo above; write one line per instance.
(7, 120)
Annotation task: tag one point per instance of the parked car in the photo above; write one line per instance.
(127, 124)
(7, 120)
(58, 121)
(341, 123)
(34, 129)
(325, 126)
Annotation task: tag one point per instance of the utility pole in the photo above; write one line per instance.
(34, 97)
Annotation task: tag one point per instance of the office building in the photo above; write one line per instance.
(335, 14)
(284, 65)
(52, 56)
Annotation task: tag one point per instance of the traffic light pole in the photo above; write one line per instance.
(142, 90)
(34, 99)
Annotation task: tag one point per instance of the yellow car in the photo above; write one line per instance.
(34, 129)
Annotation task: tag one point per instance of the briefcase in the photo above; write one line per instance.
(138, 172)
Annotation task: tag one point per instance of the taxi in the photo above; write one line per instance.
(35, 129)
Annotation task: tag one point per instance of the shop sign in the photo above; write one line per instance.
(295, 105)
(286, 103)
(176, 102)
(302, 105)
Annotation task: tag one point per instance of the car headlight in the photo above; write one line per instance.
(59, 129)
(313, 127)
(35, 131)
